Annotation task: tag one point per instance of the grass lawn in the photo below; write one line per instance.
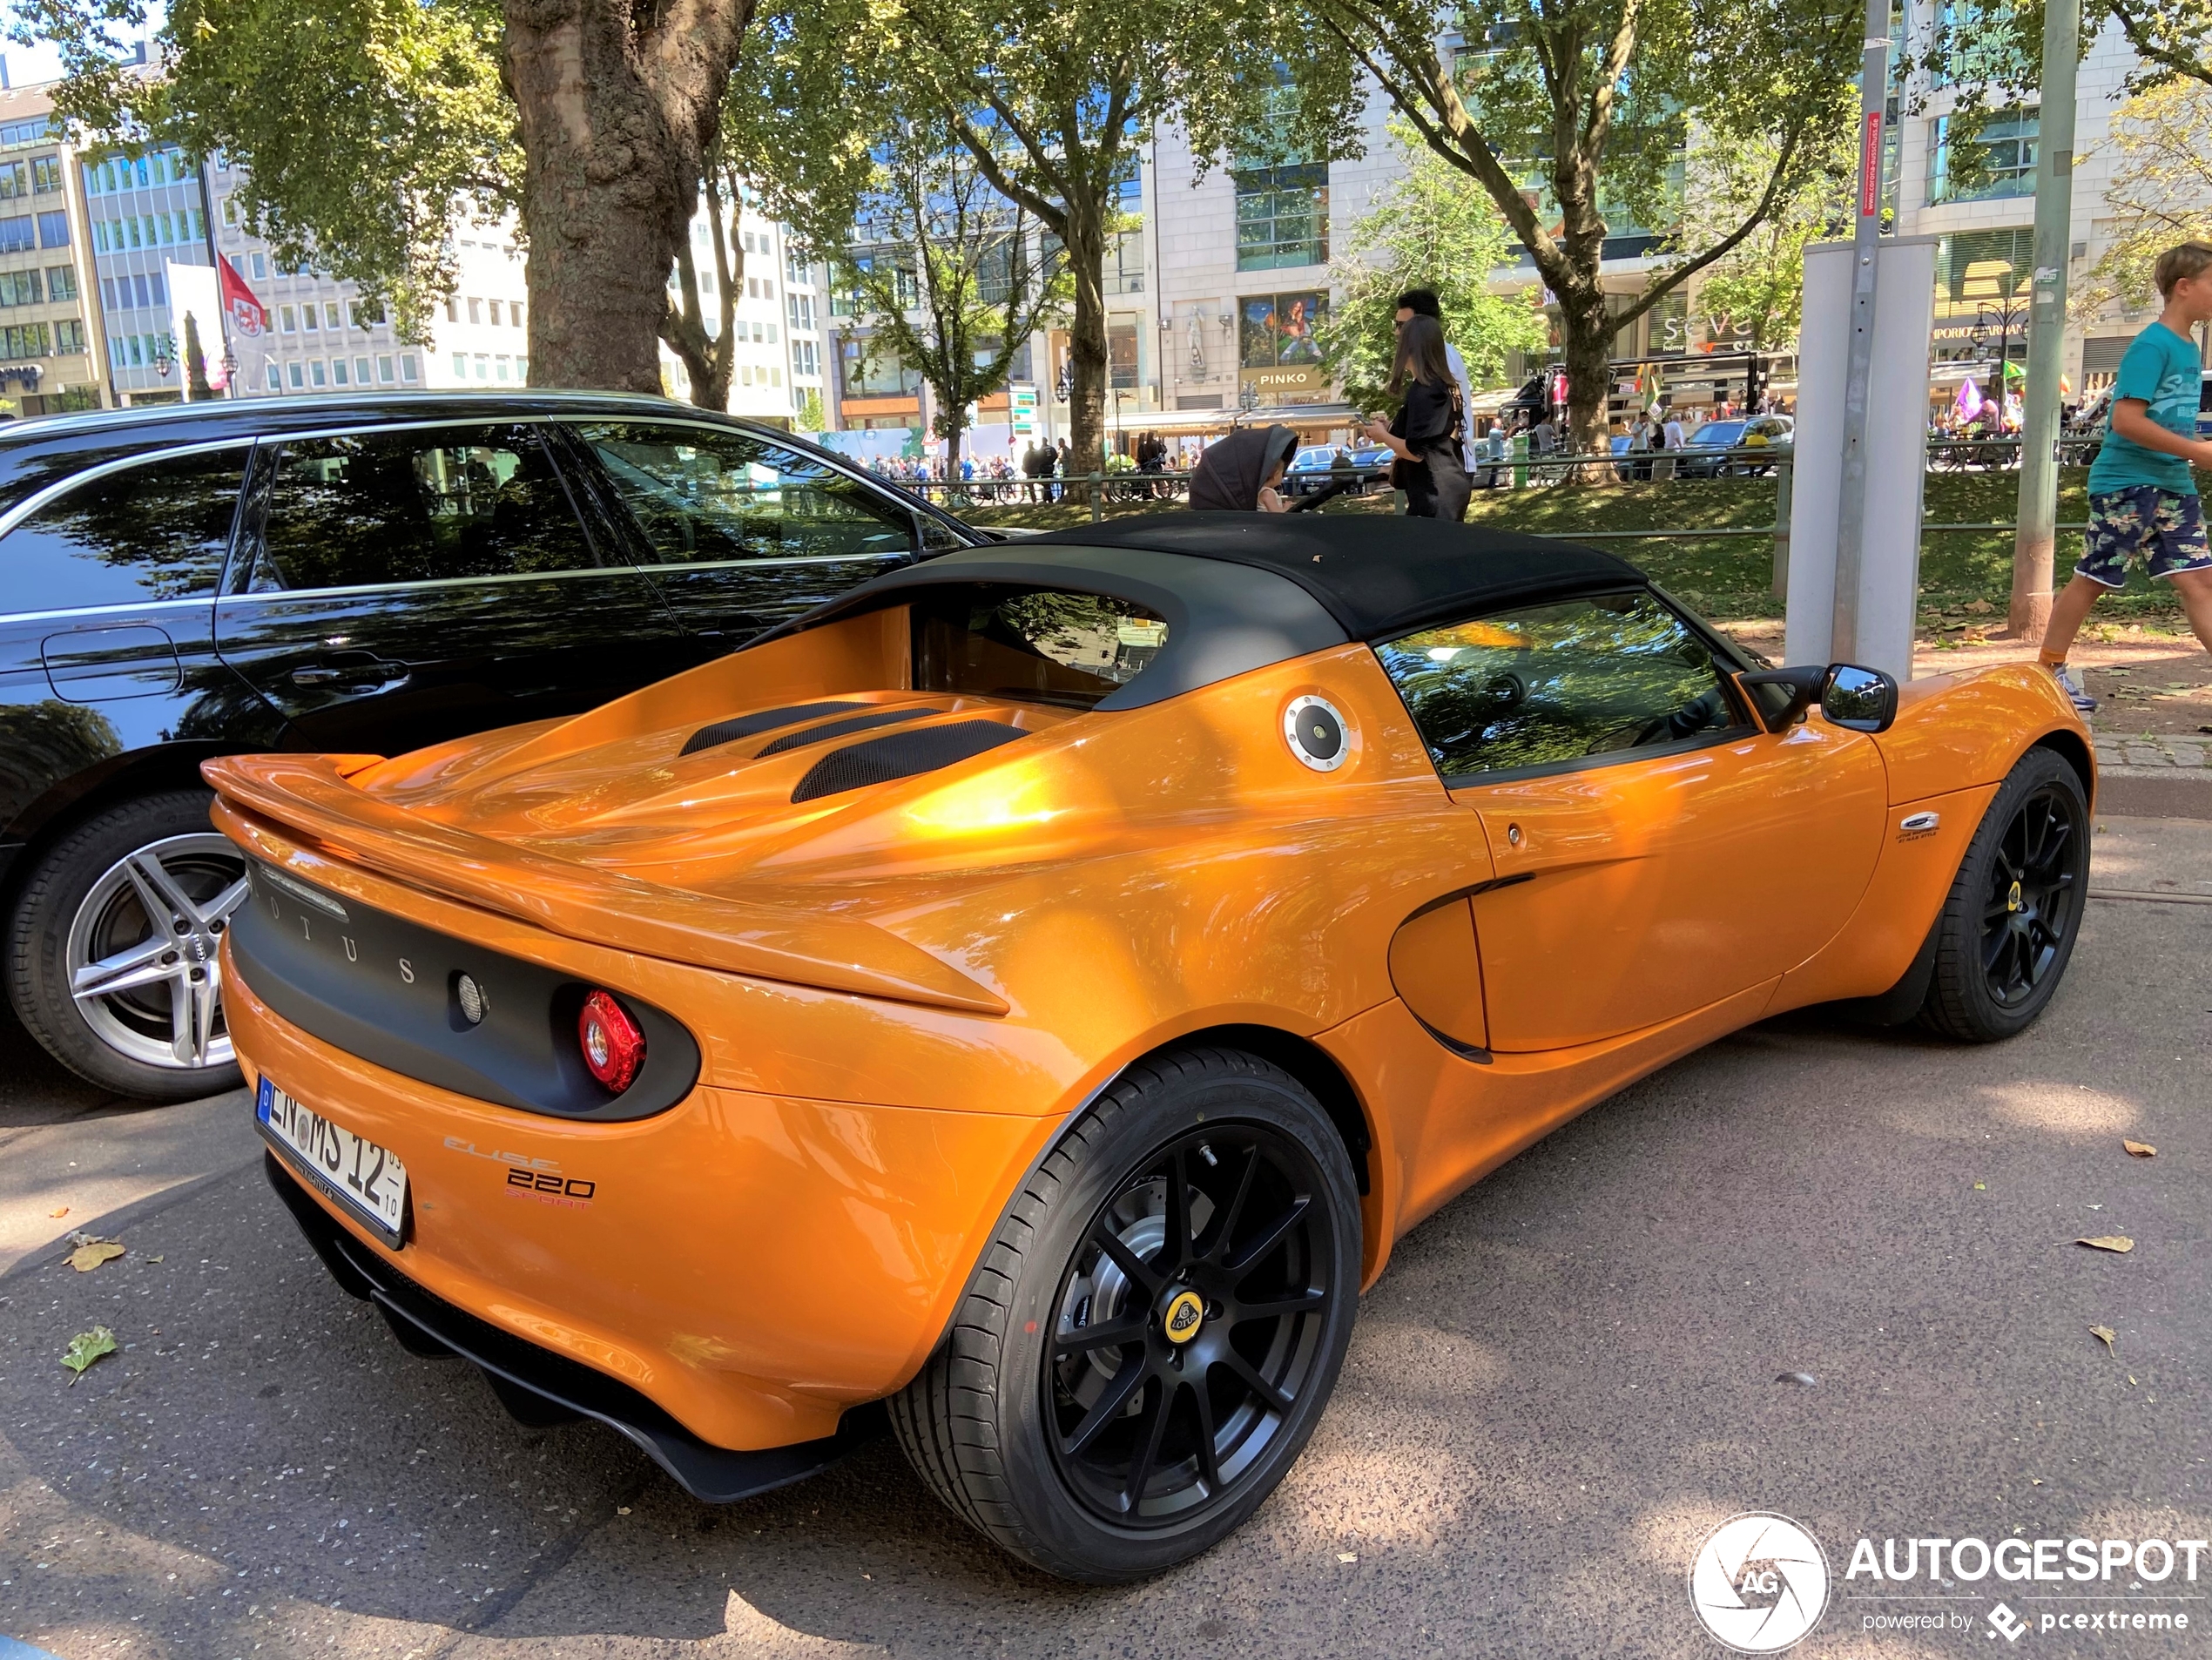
(1966, 577)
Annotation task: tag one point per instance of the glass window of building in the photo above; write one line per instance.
(15, 180)
(17, 236)
(384, 372)
(20, 288)
(61, 282)
(69, 336)
(19, 340)
(45, 175)
(1282, 216)
(407, 367)
(338, 371)
(276, 377)
(315, 376)
(298, 379)
(1982, 156)
(330, 314)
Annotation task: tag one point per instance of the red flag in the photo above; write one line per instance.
(247, 314)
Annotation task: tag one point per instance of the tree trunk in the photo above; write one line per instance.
(709, 360)
(1588, 327)
(952, 429)
(1085, 241)
(615, 122)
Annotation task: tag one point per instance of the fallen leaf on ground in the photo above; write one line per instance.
(59, 1210)
(2114, 1242)
(1346, 1556)
(153, 1259)
(1978, 607)
(90, 1253)
(2104, 1334)
(2140, 1149)
(86, 1347)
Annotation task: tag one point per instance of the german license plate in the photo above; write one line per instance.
(352, 1169)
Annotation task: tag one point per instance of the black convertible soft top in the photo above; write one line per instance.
(1379, 576)
(1241, 591)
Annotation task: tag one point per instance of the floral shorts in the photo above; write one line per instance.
(2164, 529)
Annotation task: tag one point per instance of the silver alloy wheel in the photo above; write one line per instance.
(143, 951)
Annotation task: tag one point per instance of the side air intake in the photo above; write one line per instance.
(901, 755)
(724, 731)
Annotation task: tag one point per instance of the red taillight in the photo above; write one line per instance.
(613, 1047)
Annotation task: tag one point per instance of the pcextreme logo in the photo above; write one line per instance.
(1760, 1583)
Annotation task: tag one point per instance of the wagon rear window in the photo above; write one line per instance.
(1040, 644)
(1552, 684)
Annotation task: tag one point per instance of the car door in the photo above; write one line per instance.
(1652, 849)
(402, 586)
(740, 534)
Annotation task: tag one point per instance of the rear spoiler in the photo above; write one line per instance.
(265, 803)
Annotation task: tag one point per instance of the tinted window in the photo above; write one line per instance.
(702, 496)
(1550, 683)
(1040, 644)
(1720, 434)
(154, 531)
(377, 508)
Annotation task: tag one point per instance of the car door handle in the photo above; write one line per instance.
(353, 672)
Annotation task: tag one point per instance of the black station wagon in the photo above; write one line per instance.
(366, 575)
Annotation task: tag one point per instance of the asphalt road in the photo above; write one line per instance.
(1565, 1381)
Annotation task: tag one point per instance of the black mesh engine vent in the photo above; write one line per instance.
(901, 755)
(768, 720)
(841, 728)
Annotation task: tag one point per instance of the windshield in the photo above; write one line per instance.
(1722, 435)
(1036, 644)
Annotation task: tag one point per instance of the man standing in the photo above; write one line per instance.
(1422, 302)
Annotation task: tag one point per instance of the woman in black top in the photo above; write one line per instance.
(1426, 434)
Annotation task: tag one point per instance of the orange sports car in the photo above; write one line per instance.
(1026, 998)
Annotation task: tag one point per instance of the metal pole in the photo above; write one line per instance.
(1851, 512)
(2033, 541)
(1783, 482)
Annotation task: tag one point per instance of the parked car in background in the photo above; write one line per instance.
(1705, 454)
(365, 575)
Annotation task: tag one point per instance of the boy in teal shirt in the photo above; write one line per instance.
(2142, 502)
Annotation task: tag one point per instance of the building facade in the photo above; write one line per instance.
(779, 317)
(50, 343)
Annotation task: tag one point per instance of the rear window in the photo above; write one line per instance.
(1036, 644)
(156, 531)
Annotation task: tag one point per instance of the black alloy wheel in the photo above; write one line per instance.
(2008, 929)
(2032, 898)
(1191, 1323)
(1155, 1328)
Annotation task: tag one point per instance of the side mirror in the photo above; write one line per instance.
(1862, 699)
(1794, 691)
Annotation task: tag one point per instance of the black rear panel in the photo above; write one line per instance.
(901, 755)
(726, 732)
(387, 990)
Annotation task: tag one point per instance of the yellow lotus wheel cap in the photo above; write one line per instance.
(1186, 1312)
(2012, 899)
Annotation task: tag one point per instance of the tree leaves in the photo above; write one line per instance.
(1428, 230)
(86, 1347)
(359, 127)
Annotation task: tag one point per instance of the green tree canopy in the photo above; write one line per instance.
(362, 123)
(947, 273)
(1572, 116)
(1428, 230)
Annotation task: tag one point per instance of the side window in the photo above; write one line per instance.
(701, 495)
(374, 508)
(155, 532)
(1555, 684)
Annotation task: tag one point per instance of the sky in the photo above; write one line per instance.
(28, 66)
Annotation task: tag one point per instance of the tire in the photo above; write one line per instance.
(1014, 1428)
(2007, 929)
(147, 887)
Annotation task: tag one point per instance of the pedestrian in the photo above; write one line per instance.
(1640, 447)
(1240, 474)
(1063, 463)
(1428, 434)
(2143, 503)
(1422, 302)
